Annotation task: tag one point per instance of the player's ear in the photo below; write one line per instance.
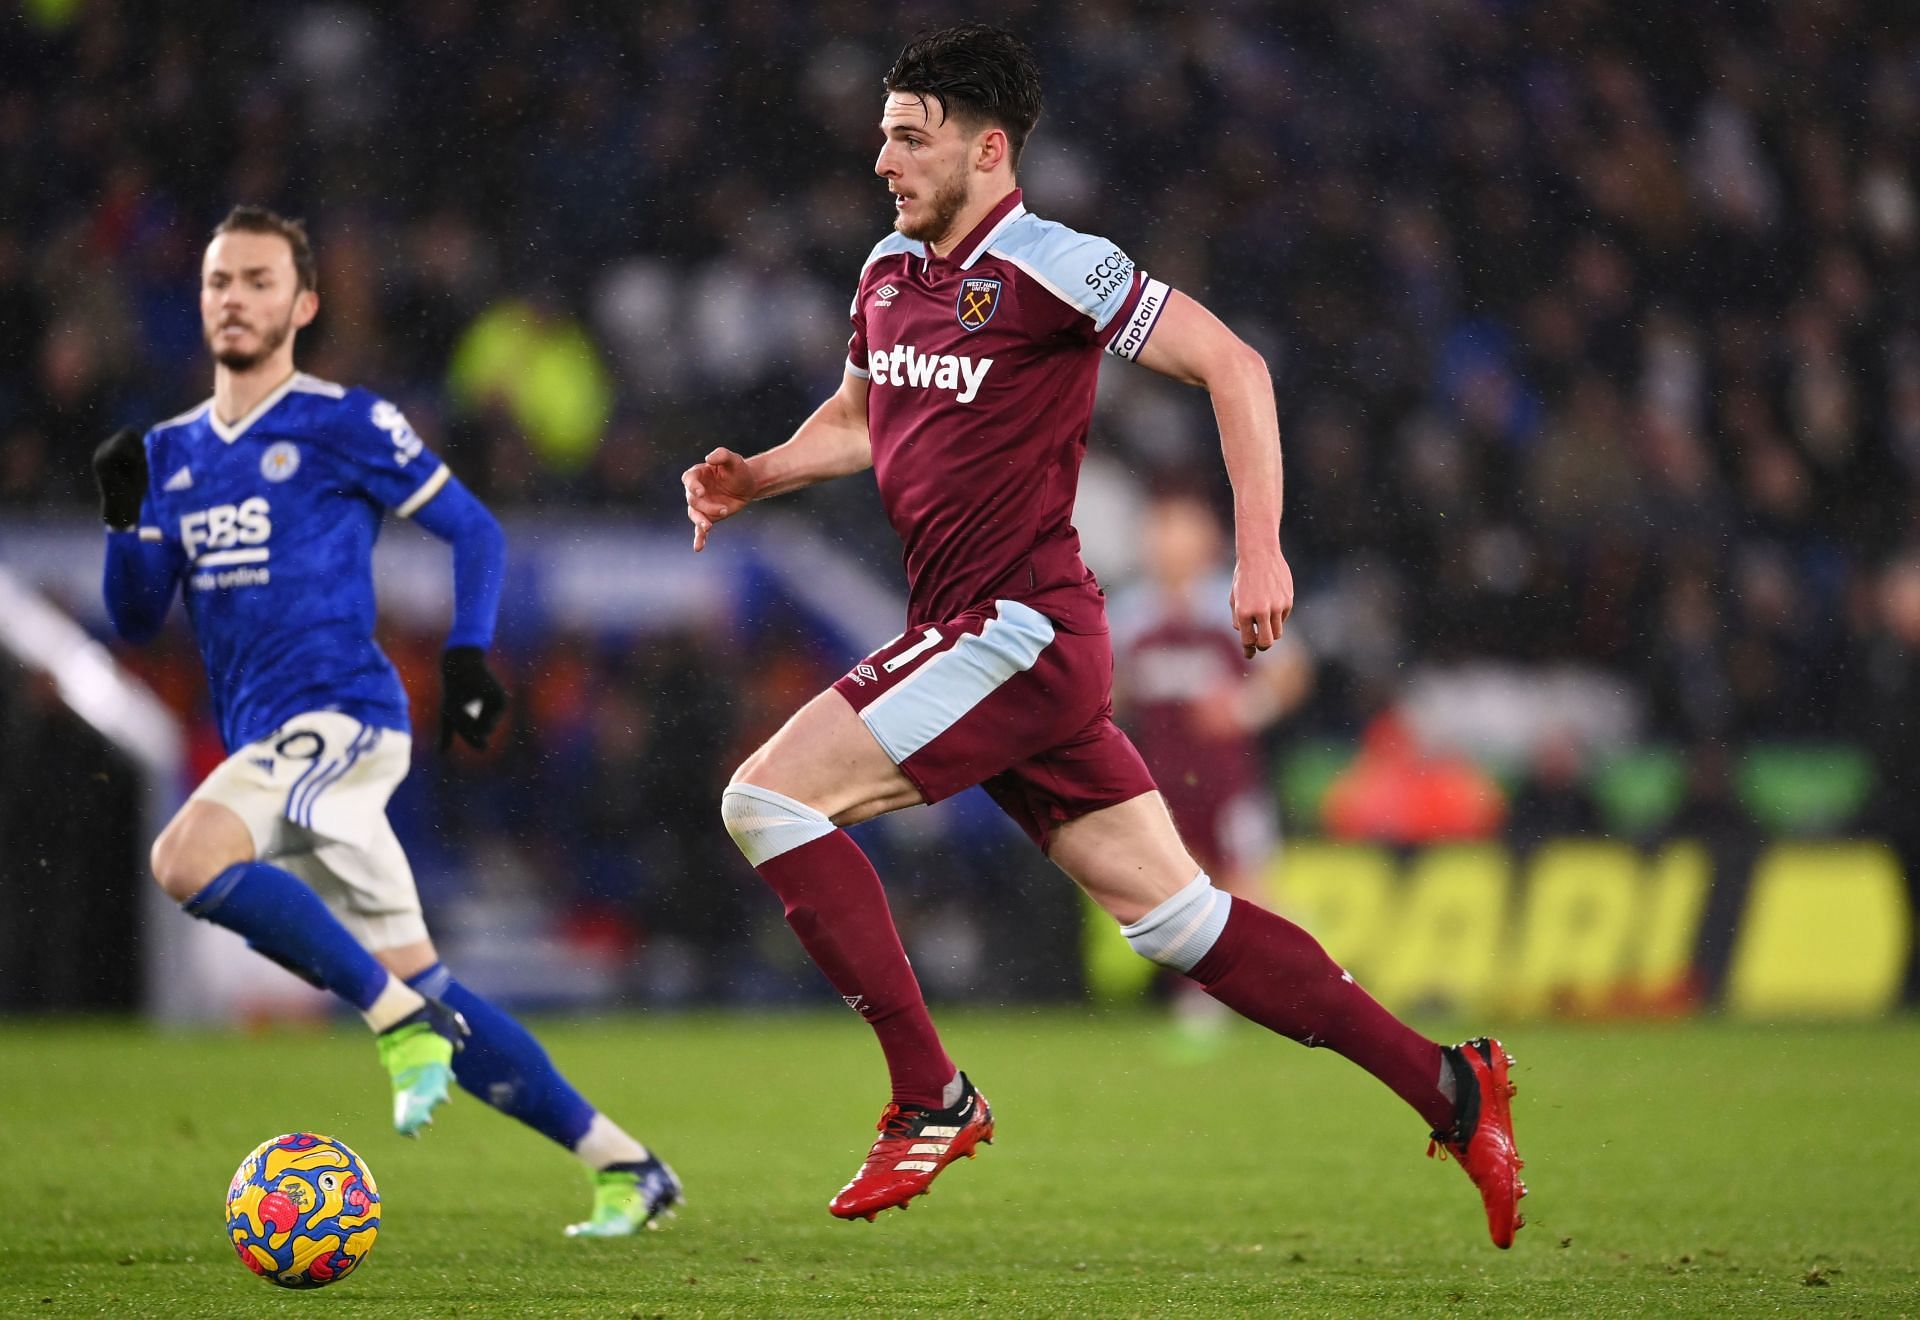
(990, 150)
(306, 306)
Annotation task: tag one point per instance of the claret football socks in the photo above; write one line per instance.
(1267, 969)
(836, 906)
(1272, 972)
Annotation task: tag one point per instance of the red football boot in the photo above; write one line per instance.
(1481, 1137)
(914, 1145)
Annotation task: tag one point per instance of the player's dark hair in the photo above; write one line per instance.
(259, 220)
(982, 75)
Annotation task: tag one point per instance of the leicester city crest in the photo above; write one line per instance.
(979, 300)
(281, 461)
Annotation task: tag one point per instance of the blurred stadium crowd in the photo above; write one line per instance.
(1596, 328)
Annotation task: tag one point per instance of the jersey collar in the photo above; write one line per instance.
(259, 410)
(975, 244)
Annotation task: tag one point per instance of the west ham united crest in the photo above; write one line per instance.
(979, 300)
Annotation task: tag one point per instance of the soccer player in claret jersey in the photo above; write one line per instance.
(1194, 705)
(262, 505)
(1192, 701)
(969, 382)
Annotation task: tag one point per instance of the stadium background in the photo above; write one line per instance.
(1597, 342)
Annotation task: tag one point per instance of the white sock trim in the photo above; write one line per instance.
(394, 1003)
(607, 1143)
(764, 824)
(1180, 931)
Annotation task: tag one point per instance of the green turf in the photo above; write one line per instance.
(1689, 1170)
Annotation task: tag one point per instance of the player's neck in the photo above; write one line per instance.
(969, 219)
(237, 393)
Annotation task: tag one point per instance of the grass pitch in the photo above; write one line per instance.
(1692, 1170)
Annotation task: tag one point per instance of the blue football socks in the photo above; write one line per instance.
(506, 1067)
(286, 921)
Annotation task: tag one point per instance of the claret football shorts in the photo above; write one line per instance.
(313, 794)
(1001, 698)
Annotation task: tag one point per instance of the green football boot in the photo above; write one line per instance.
(628, 1198)
(417, 1053)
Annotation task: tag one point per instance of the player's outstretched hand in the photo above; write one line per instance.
(1262, 598)
(120, 471)
(717, 488)
(471, 698)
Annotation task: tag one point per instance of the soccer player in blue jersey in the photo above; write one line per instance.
(261, 507)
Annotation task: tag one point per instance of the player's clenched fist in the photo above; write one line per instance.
(717, 488)
(1262, 599)
(120, 472)
(471, 698)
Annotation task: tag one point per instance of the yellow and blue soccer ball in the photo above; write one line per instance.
(303, 1210)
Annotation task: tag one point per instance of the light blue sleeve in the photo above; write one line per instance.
(1090, 274)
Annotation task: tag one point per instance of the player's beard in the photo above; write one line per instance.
(948, 199)
(270, 340)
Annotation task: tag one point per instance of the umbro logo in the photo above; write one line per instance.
(181, 480)
(884, 295)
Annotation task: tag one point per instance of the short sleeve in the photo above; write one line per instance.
(857, 344)
(385, 454)
(1112, 302)
(890, 246)
(1100, 276)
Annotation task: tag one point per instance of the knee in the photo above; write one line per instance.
(184, 862)
(764, 824)
(753, 769)
(175, 868)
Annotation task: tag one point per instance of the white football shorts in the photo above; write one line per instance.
(313, 794)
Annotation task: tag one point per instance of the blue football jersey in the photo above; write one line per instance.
(270, 524)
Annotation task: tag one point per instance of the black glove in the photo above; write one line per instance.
(471, 698)
(120, 471)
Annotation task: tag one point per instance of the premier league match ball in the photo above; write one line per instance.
(302, 1210)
